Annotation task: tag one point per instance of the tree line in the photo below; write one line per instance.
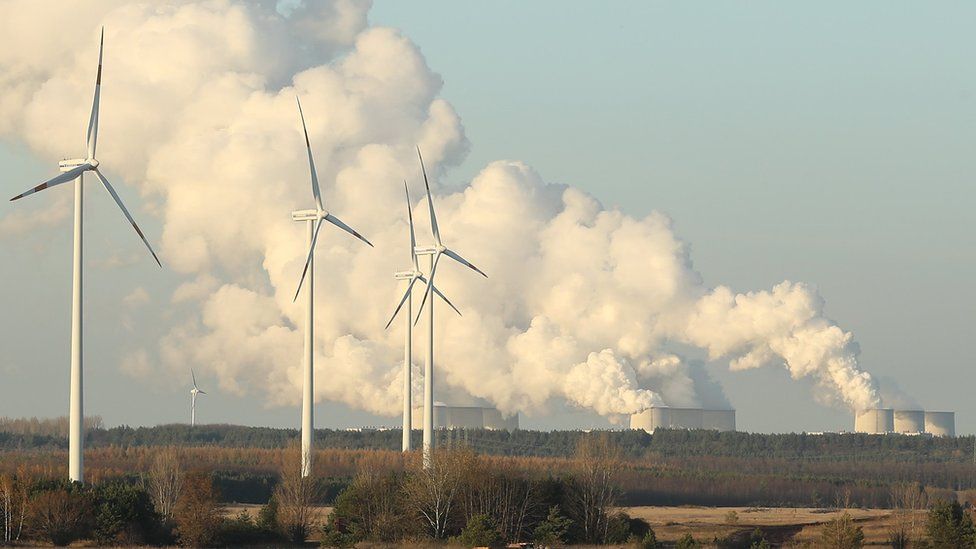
(33, 433)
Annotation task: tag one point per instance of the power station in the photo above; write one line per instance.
(666, 417)
(467, 417)
(909, 422)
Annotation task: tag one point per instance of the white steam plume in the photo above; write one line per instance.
(198, 113)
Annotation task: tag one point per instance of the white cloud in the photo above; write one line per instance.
(198, 112)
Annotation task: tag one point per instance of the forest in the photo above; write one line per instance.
(170, 484)
(670, 467)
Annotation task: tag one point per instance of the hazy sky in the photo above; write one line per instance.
(828, 143)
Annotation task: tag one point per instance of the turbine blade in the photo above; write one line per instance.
(125, 212)
(413, 238)
(93, 119)
(453, 255)
(55, 181)
(194, 378)
(444, 297)
(446, 300)
(430, 283)
(311, 163)
(338, 223)
(308, 258)
(201, 392)
(406, 295)
(430, 203)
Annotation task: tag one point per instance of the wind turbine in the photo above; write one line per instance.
(313, 220)
(193, 399)
(411, 276)
(435, 252)
(74, 170)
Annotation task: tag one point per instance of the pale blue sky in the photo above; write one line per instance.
(829, 143)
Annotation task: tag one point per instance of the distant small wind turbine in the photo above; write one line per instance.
(435, 253)
(74, 170)
(313, 219)
(411, 276)
(193, 399)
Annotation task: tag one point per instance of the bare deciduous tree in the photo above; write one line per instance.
(433, 491)
(377, 500)
(14, 503)
(501, 491)
(909, 499)
(198, 512)
(296, 496)
(166, 481)
(594, 491)
(60, 515)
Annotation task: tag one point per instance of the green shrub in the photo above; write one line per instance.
(124, 515)
(243, 530)
(339, 531)
(649, 541)
(842, 533)
(618, 529)
(622, 528)
(268, 515)
(687, 542)
(949, 525)
(555, 529)
(480, 532)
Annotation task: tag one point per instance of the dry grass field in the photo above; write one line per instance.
(789, 527)
(782, 526)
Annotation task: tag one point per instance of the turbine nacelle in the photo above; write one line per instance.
(407, 275)
(308, 215)
(429, 250)
(69, 164)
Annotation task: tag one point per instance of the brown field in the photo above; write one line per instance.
(790, 527)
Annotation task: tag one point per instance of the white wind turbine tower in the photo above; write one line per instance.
(313, 220)
(435, 252)
(411, 276)
(193, 399)
(73, 170)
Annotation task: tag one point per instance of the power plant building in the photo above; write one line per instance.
(909, 421)
(466, 417)
(886, 420)
(940, 424)
(718, 420)
(875, 421)
(665, 417)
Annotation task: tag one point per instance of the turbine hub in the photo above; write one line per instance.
(93, 162)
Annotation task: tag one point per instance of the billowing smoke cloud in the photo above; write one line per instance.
(198, 113)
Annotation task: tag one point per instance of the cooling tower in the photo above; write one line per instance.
(683, 418)
(494, 420)
(909, 421)
(643, 420)
(465, 417)
(875, 421)
(940, 424)
(718, 420)
(686, 418)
